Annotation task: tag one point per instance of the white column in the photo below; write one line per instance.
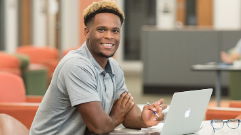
(11, 26)
(227, 14)
(51, 22)
(166, 13)
(39, 16)
(69, 24)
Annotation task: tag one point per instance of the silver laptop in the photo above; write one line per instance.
(186, 112)
(184, 115)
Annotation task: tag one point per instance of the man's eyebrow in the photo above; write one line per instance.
(116, 28)
(104, 27)
(101, 27)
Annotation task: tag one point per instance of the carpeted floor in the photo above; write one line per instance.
(134, 85)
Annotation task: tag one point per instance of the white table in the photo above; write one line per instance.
(218, 68)
(206, 129)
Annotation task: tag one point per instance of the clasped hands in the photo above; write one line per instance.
(125, 103)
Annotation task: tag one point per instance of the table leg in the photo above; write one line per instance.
(218, 87)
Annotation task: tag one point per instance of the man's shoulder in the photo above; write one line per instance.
(75, 58)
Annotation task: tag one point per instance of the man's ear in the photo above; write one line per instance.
(86, 32)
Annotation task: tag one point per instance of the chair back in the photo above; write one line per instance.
(9, 63)
(38, 54)
(11, 126)
(11, 88)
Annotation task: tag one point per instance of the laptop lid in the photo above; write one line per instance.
(186, 112)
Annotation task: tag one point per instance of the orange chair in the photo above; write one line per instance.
(11, 126)
(13, 100)
(235, 104)
(9, 63)
(231, 112)
(41, 55)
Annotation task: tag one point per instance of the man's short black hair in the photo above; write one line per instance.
(105, 6)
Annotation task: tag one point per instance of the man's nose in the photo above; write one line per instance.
(108, 35)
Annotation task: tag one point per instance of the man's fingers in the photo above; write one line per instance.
(159, 102)
(150, 107)
(126, 99)
(164, 106)
(130, 104)
(159, 118)
(121, 97)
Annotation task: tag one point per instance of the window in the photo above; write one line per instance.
(137, 14)
(191, 17)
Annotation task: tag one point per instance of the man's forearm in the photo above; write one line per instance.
(133, 118)
(96, 119)
(99, 127)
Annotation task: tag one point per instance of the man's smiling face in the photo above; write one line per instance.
(103, 35)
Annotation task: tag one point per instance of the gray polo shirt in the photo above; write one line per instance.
(77, 79)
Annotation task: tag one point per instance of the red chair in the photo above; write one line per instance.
(9, 63)
(13, 100)
(231, 112)
(41, 55)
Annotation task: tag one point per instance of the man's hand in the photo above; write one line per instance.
(148, 116)
(121, 107)
(226, 58)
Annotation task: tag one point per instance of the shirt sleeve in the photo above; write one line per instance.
(80, 81)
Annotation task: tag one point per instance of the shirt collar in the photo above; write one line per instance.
(109, 69)
(100, 70)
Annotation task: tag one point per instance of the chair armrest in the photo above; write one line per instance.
(15, 71)
(235, 104)
(23, 112)
(34, 99)
(222, 113)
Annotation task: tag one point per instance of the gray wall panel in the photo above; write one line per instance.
(168, 56)
(171, 54)
(144, 54)
(229, 39)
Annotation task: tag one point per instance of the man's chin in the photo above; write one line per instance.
(106, 56)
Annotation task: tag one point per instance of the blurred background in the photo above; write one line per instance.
(160, 41)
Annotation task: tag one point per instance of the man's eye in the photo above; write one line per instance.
(101, 30)
(115, 31)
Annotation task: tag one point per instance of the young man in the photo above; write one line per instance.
(88, 92)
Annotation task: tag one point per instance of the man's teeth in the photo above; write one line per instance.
(108, 44)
